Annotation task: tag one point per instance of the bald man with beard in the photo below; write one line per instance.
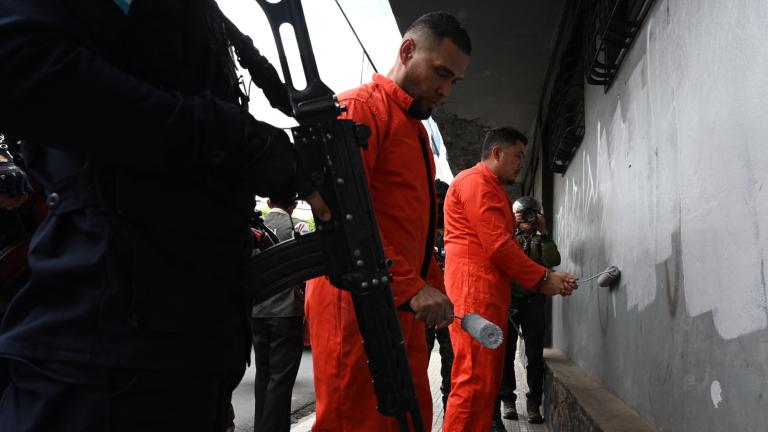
(432, 58)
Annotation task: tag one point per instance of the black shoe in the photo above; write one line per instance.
(509, 412)
(498, 425)
(534, 415)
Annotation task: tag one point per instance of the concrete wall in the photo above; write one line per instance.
(669, 184)
(462, 137)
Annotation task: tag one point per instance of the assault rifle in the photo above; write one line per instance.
(348, 248)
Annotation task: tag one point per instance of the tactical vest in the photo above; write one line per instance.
(148, 256)
(177, 45)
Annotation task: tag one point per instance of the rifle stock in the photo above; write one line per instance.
(283, 266)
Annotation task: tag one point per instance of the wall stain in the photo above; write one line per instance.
(669, 273)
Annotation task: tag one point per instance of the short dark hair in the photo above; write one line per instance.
(504, 136)
(442, 25)
(282, 200)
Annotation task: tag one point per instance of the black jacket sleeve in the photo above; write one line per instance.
(58, 91)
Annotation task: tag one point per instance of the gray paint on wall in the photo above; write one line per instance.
(668, 184)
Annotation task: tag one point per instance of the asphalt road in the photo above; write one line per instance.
(302, 402)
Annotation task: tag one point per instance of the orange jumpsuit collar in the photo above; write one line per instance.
(488, 173)
(398, 95)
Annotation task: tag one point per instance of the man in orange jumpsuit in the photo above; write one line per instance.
(482, 259)
(432, 57)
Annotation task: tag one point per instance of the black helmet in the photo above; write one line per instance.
(527, 202)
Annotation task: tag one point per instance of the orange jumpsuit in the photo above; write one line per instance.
(400, 189)
(482, 258)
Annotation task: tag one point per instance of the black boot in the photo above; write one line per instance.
(508, 410)
(534, 415)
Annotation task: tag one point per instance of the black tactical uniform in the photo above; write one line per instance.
(130, 111)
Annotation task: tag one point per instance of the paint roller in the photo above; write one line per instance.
(491, 336)
(606, 277)
(487, 333)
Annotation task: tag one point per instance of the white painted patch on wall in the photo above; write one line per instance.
(615, 188)
(722, 263)
(679, 166)
(716, 392)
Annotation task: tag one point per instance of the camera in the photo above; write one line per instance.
(530, 215)
(529, 207)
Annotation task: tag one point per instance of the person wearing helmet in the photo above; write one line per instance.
(526, 313)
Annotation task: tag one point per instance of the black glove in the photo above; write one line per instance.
(13, 181)
(261, 70)
(266, 164)
(263, 75)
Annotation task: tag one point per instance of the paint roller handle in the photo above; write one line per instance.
(592, 277)
(606, 277)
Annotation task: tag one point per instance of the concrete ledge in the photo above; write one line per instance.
(574, 402)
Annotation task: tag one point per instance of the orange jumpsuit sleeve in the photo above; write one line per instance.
(406, 280)
(487, 212)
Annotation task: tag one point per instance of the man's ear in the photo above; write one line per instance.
(269, 203)
(496, 153)
(407, 49)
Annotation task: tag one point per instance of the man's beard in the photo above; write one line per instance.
(419, 109)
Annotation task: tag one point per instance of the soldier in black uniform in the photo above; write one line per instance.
(134, 123)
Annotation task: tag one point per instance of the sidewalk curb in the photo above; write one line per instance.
(305, 424)
(574, 402)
